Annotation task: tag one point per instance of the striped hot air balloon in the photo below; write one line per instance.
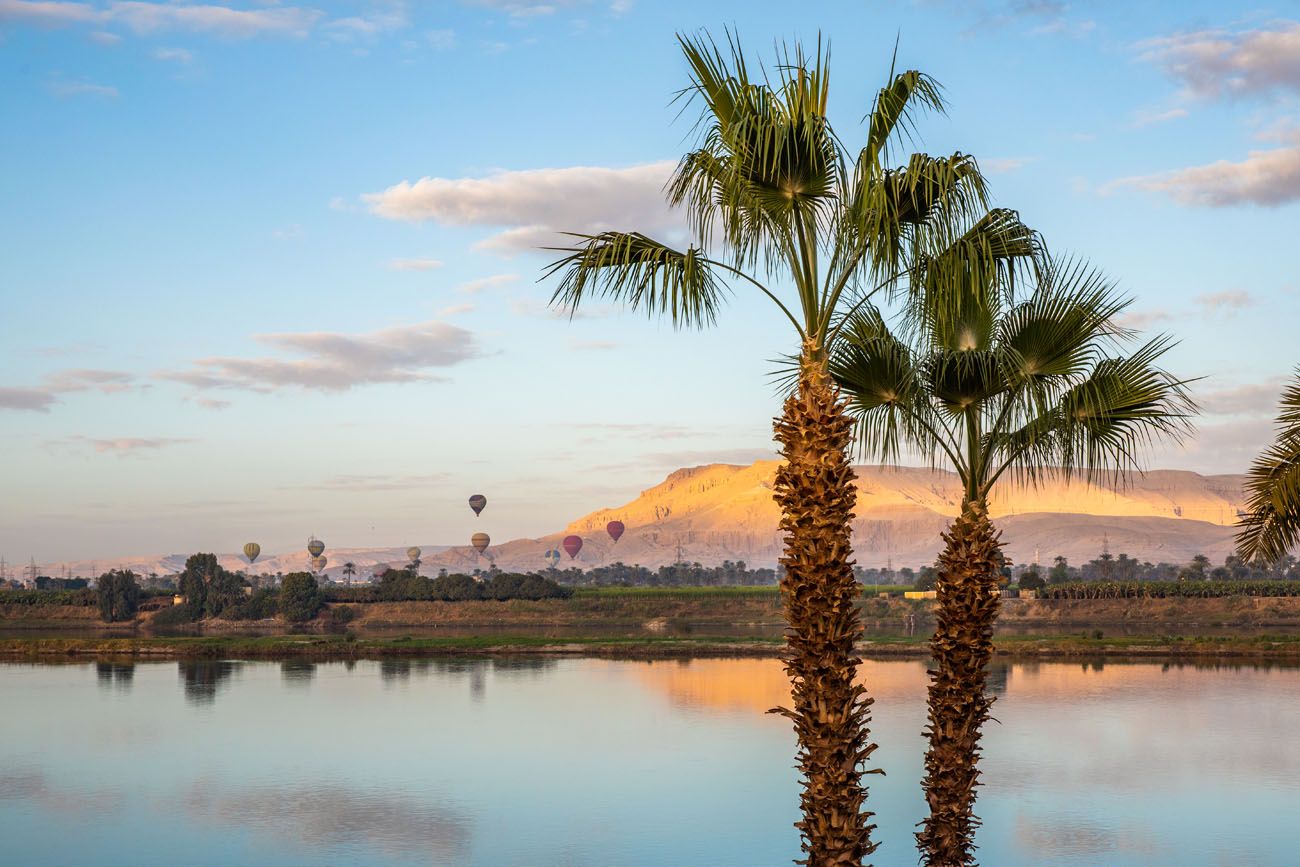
(552, 557)
(252, 551)
(315, 547)
(480, 541)
(318, 563)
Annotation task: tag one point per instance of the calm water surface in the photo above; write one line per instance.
(590, 762)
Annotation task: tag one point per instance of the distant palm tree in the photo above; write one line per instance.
(349, 569)
(1270, 528)
(997, 380)
(773, 200)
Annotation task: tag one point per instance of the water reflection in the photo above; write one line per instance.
(203, 678)
(115, 675)
(297, 672)
(329, 814)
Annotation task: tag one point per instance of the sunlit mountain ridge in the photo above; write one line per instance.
(718, 512)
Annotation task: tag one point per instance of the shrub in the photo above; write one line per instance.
(263, 604)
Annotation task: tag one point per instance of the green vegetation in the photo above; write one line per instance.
(118, 595)
(999, 362)
(402, 585)
(300, 597)
(70, 598)
(1271, 526)
(1167, 589)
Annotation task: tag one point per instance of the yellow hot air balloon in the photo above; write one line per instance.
(413, 553)
(252, 551)
(480, 541)
(315, 547)
(318, 563)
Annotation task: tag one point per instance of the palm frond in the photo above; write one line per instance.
(895, 110)
(1271, 525)
(640, 272)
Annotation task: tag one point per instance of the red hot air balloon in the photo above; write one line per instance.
(615, 529)
(572, 545)
(477, 502)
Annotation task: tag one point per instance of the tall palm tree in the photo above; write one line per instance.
(1271, 526)
(1011, 367)
(776, 204)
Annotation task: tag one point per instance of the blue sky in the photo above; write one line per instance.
(267, 268)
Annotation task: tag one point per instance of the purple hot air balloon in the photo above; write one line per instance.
(615, 529)
(477, 502)
(572, 545)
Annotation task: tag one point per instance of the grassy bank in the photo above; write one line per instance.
(325, 647)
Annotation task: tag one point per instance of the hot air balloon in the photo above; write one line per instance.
(615, 529)
(552, 556)
(252, 551)
(413, 554)
(572, 545)
(480, 541)
(477, 502)
(318, 563)
(315, 547)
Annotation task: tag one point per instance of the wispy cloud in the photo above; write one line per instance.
(355, 483)
(519, 8)
(173, 55)
(1140, 320)
(1217, 63)
(150, 17)
(592, 345)
(533, 208)
(473, 287)
(1267, 178)
(1248, 399)
(29, 399)
(541, 310)
(1151, 118)
(1224, 303)
(1000, 166)
(456, 310)
(441, 40)
(414, 264)
(123, 446)
(82, 88)
(331, 361)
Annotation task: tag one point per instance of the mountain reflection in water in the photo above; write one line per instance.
(535, 761)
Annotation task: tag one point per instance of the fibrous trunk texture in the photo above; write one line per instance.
(962, 646)
(830, 710)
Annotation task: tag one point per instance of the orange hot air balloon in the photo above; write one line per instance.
(480, 541)
(572, 545)
(615, 529)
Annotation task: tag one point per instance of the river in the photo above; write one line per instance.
(537, 762)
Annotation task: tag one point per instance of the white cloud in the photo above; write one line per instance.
(473, 287)
(541, 310)
(383, 17)
(1215, 63)
(414, 264)
(1267, 178)
(1219, 304)
(103, 37)
(519, 8)
(1151, 118)
(534, 207)
(456, 310)
(330, 361)
(212, 403)
(173, 55)
(1143, 319)
(1252, 399)
(30, 399)
(82, 88)
(1006, 164)
(49, 13)
(148, 17)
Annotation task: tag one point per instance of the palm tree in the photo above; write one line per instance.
(776, 204)
(997, 380)
(349, 569)
(1271, 526)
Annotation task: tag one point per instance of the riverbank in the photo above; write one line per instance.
(1279, 648)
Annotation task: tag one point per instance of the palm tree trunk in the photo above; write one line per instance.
(962, 646)
(830, 710)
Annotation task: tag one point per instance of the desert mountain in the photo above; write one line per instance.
(722, 512)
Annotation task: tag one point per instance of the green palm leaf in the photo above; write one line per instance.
(1271, 526)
